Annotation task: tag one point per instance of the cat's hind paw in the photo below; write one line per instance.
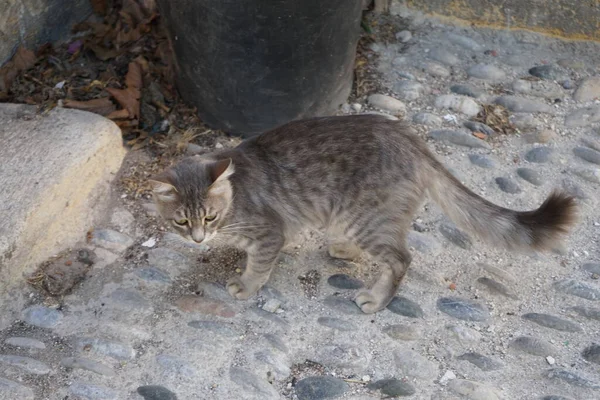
(237, 289)
(368, 303)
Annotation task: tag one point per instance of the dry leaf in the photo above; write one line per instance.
(480, 135)
(102, 53)
(21, 61)
(129, 99)
(133, 79)
(102, 106)
(119, 114)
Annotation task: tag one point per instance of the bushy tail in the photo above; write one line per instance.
(540, 229)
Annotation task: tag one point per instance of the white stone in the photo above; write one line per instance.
(447, 377)
(588, 90)
(149, 243)
(550, 360)
(436, 69)
(487, 72)
(462, 104)
(404, 36)
(386, 103)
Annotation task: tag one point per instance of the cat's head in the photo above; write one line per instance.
(194, 196)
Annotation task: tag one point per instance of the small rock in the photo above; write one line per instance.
(592, 354)
(271, 305)
(507, 185)
(320, 387)
(588, 90)
(403, 306)
(463, 309)
(592, 144)
(386, 103)
(458, 138)
(86, 364)
(357, 107)
(444, 56)
(409, 90)
(530, 176)
(116, 350)
(149, 243)
(111, 240)
(498, 272)
(533, 346)
(456, 236)
(463, 335)
(521, 86)
(423, 243)
(92, 392)
(276, 363)
(543, 136)
(579, 289)
(13, 390)
(467, 90)
(539, 155)
(549, 72)
(553, 322)
(404, 36)
(568, 84)
(474, 390)
(156, 392)
(583, 117)
(487, 72)
(42, 317)
(26, 343)
(480, 361)
(205, 306)
(523, 105)
(427, 119)
(496, 287)
(593, 268)
(176, 367)
(571, 378)
(352, 359)
(27, 364)
(481, 161)
(456, 103)
(414, 365)
(335, 323)
(524, 121)
(479, 127)
(392, 387)
(589, 155)
(588, 312)
(572, 63)
(464, 41)
(436, 69)
(402, 332)
(152, 274)
(343, 281)
(573, 189)
(550, 360)
(345, 108)
(167, 259)
(219, 328)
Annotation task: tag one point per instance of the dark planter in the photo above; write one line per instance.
(251, 65)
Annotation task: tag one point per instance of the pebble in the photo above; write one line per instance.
(524, 121)
(219, 328)
(436, 69)
(335, 323)
(111, 240)
(552, 322)
(342, 305)
(392, 387)
(447, 377)
(587, 154)
(25, 342)
(275, 362)
(116, 350)
(553, 397)
(571, 378)
(457, 103)
(404, 36)
(343, 281)
(579, 289)
(409, 90)
(89, 391)
(543, 136)
(13, 390)
(444, 56)
(423, 243)
(531, 176)
(217, 291)
(386, 103)
(481, 161)
(583, 117)
(572, 188)
(86, 364)
(42, 317)
(348, 357)
(588, 312)
(533, 346)
(464, 41)
(465, 336)
(464, 309)
(357, 107)
(508, 185)
(498, 272)
(456, 236)
(548, 71)
(205, 306)
(458, 138)
(271, 305)
(539, 155)
(156, 392)
(152, 274)
(414, 365)
(523, 105)
(474, 390)
(593, 268)
(320, 387)
(467, 90)
(427, 119)
(550, 360)
(27, 364)
(167, 259)
(487, 72)
(588, 90)
(402, 332)
(592, 144)
(480, 361)
(496, 287)
(176, 367)
(252, 383)
(405, 307)
(479, 127)
(128, 299)
(592, 354)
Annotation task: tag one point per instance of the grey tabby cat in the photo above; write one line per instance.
(359, 178)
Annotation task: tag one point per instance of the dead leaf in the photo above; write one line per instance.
(102, 106)
(132, 8)
(133, 79)
(101, 52)
(480, 135)
(118, 114)
(21, 61)
(129, 99)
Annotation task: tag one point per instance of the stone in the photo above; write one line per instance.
(117, 350)
(402, 332)
(154, 275)
(404, 36)
(531, 176)
(72, 156)
(521, 86)
(427, 119)
(523, 105)
(457, 103)
(215, 327)
(455, 235)
(444, 56)
(459, 138)
(543, 136)
(593, 268)
(592, 144)
(463, 335)
(414, 365)
(592, 354)
(507, 185)
(27, 364)
(86, 364)
(276, 342)
(571, 378)
(588, 89)
(554, 397)
(447, 377)
(467, 310)
(405, 307)
(539, 155)
(352, 359)
(553, 322)
(496, 287)
(467, 90)
(320, 387)
(89, 391)
(573, 189)
(423, 243)
(343, 281)
(588, 312)
(13, 390)
(548, 71)
(26, 343)
(435, 69)
(474, 390)
(342, 305)
(111, 240)
(205, 306)
(545, 89)
(481, 161)
(275, 362)
(579, 289)
(583, 117)
(156, 392)
(498, 272)
(533, 346)
(167, 259)
(271, 305)
(42, 317)
(176, 367)
(386, 103)
(335, 323)
(409, 90)
(128, 300)
(392, 387)
(479, 127)
(587, 154)
(524, 121)
(464, 41)
(486, 71)
(480, 361)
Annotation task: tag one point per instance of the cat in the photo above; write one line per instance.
(359, 178)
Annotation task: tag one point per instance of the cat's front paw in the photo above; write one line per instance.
(239, 290)
(369, 303)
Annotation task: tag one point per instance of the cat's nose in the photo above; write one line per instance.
(198, 235)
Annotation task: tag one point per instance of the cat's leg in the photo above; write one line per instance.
(396, 259)
(344, 250)
(261, 260)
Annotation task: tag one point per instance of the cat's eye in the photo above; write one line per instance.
(210, 218)
(181, 222)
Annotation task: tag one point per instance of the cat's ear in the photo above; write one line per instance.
(162, 188)
(221, 170)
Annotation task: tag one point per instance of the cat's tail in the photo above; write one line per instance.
(539, 229)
